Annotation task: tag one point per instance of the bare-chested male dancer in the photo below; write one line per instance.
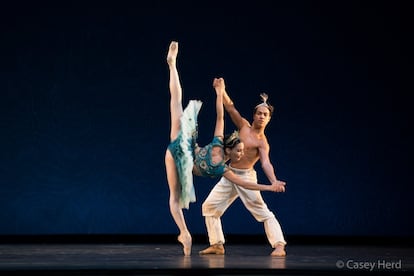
(225, 192)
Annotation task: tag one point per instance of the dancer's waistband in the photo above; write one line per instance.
(241, 171)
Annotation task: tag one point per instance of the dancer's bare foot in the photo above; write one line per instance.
(186, 240)
(172, 53)
(279, 251)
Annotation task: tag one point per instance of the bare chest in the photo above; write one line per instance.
(251, 146)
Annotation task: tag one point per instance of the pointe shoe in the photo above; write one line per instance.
(186, 241)
(279, 251)
(172, 53)
(217, 249)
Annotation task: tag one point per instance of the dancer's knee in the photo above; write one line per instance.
(210, 211)
(174, 203)
(205, 209)
(263, 216)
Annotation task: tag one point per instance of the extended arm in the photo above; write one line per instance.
(235, 116)
(218, 85)
(250, 185)
(268, 167)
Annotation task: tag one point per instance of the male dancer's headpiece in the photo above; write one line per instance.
(264, 103)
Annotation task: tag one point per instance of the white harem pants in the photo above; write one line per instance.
(222, 196)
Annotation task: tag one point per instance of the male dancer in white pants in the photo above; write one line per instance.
(225, 192)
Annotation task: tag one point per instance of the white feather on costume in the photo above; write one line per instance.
(189, 134)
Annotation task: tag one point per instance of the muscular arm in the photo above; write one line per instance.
(267, 165)
(249, 184)
(235, 116)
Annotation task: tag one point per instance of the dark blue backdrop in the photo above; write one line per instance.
(85, 113)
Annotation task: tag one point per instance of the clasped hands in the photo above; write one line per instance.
(278, 186)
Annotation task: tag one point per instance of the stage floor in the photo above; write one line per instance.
(167, 259)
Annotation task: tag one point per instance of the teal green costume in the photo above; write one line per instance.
(204, 163)
(182, 150)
